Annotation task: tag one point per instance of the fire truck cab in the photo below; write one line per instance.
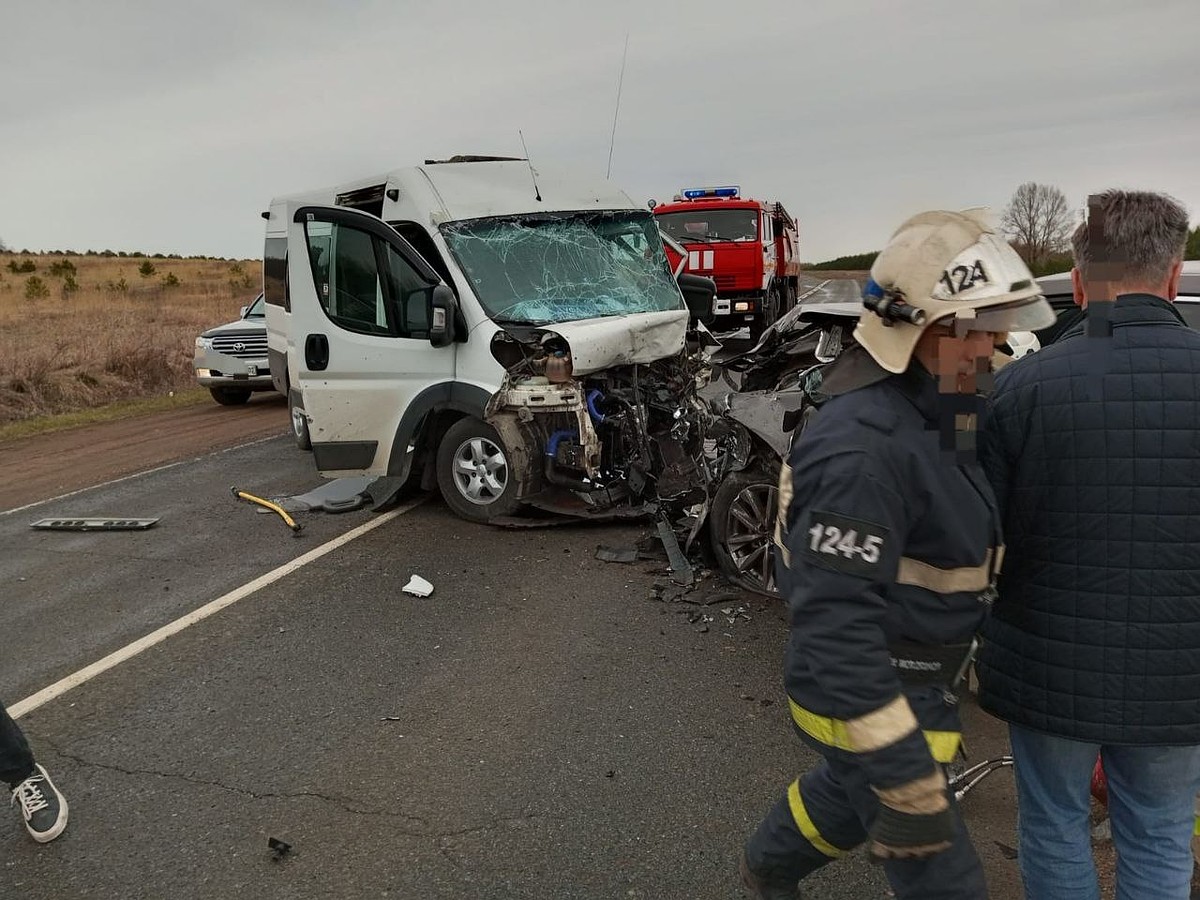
(749, 248)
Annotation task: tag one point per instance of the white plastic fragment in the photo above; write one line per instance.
(418, 587)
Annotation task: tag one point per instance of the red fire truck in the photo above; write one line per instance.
(750, 248)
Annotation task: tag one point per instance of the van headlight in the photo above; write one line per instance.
(204, 343)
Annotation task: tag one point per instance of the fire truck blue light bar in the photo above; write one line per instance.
(697, 193)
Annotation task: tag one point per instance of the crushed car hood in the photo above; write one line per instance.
(599, 344)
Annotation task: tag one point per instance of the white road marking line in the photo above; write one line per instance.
(163, 468)
(129, 651)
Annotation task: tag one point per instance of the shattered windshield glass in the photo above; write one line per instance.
(559, 267)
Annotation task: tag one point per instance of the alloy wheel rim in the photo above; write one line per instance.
(480, 471)
(750, 524)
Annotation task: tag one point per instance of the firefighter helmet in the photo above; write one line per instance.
(940, 265)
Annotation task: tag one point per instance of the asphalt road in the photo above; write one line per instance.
(538, 727)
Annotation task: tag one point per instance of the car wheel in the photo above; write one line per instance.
(230, 396)
(742, 528)
(299, 421)
(473, 472)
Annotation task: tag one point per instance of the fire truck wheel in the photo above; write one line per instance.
(769, 313)
(789, 297)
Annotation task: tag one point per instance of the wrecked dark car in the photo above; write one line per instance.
(775, 386)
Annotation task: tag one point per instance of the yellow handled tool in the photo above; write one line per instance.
(274, 507)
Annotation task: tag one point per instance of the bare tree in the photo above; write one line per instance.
(1038, 221)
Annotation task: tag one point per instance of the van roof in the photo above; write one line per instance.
(454, 191)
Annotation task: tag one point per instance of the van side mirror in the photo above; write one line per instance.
(698, 293)
(443, 323)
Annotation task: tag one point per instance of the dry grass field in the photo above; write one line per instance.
(85, 331)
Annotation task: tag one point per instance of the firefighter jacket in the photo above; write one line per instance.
(889, 542)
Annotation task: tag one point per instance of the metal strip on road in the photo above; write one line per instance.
(129, 651)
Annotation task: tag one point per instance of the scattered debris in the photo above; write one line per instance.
(681, 569)
(95, 523)
(274, 507)
(1007, 851)
(384, 492)
(279, 848)
(391, 718)
(617, 554)
(418, 587)
(338, 495)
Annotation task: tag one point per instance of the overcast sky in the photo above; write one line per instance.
(167, 127)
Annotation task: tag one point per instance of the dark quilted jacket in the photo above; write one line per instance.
(1093, 448)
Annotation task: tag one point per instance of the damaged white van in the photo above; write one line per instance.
(512, 335)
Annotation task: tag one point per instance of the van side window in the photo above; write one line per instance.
(413, 295)
(420, 240)
(356, 294)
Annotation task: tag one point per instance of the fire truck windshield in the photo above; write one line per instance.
(561, 267)
(708, 225)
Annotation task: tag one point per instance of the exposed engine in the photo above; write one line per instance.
(628, 436)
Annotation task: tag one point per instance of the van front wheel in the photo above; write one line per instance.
(474, 474)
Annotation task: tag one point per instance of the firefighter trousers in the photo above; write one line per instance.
(827, 812)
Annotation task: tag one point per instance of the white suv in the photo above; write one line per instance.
(231, 359)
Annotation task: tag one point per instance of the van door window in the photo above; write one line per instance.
(365, 285)
(413, 296)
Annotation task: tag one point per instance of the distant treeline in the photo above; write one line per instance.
(115, 254)
(858, 262)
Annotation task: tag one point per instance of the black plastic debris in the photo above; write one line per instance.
(95, 523)
(279, 848)
(681, 569)
(617, 554)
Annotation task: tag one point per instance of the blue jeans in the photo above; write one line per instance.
(1151, 792)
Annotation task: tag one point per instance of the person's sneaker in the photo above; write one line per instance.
(763, 889)
(44, 808)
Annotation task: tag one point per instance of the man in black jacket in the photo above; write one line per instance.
(888, 542)
(1093, 449)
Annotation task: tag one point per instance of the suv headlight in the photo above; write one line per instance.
(204, 343)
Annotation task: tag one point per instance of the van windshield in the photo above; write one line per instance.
(558, 267)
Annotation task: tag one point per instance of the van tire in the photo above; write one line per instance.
(476, 498)
(230, 396)
(299, 421)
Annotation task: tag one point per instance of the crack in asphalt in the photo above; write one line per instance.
(341, 803)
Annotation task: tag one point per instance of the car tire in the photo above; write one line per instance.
(230, 396)
(299, 421)
(489, 492)
(741, 529)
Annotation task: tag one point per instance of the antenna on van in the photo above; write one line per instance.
(620, 83)
(532, 176)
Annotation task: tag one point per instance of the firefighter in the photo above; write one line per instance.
(888, 544)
